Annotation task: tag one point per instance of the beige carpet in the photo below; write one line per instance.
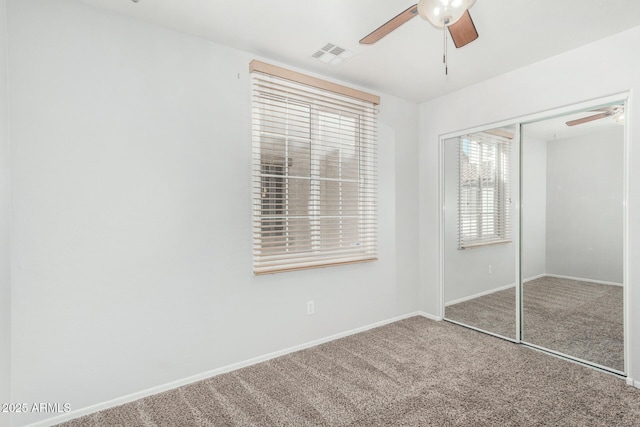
(580, 319)
(495, 312)
(414, 372)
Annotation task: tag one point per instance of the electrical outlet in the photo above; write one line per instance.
(489, 268)
(311, 307)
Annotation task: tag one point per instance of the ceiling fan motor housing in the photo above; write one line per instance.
(442, 13)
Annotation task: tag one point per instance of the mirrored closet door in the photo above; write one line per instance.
(572, 235)
(480, 176)
(532, 233)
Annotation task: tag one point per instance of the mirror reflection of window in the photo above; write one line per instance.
(484, 187)
(479, 253)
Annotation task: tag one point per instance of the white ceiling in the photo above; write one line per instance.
(408, 62)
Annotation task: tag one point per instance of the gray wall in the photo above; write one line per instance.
(132, 205)
(534, 206)
(584, 206)
(5, 277)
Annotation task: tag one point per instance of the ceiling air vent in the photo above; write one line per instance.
(332, 54)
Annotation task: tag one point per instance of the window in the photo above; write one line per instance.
(314, 172)
(484, 197)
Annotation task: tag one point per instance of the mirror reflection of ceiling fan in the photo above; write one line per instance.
(615, 111)
(450, 14)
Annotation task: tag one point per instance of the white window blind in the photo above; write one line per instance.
(314, 176)
(484, 194)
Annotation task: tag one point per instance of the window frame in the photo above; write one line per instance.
(317, 254)
(499, 217)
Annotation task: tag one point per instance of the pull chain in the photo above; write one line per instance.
(444, 49)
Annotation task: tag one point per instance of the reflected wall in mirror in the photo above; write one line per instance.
(572, 236)
(480, 178)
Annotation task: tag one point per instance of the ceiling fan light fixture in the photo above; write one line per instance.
(442, 13)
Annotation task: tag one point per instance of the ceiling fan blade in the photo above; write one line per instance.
(463, 31)
(391, 25)
(588, 119)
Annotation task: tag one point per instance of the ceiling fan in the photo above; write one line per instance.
(612, 111)
(450, 14)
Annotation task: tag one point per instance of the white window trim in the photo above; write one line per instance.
(501, 215)
(365, 248)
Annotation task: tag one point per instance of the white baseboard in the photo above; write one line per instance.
(428, 316)
(199, 377)
(582, 279)
(538, 276)
(633, 383)
(480, 294)
(529, 279)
